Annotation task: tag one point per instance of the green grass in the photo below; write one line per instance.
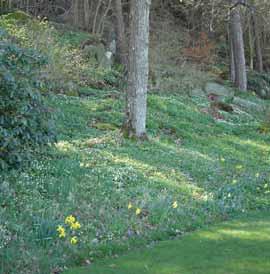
(93, 173)
(241, 246)
(213, 169)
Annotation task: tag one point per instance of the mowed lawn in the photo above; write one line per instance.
(240, 246)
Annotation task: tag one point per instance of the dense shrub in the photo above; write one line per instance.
(260, 83)
(25, 122)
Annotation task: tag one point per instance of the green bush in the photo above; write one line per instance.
(25, 122)
(260, 83)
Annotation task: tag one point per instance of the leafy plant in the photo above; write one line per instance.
(25, 122)
(260, 83)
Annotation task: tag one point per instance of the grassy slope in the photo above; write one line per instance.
(93, 173)
(237, 247)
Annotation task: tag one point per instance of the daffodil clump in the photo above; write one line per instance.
(138, 210)
(69, 230)
(175, 205)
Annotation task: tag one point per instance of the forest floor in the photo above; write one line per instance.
(192, 172)
(241, 246)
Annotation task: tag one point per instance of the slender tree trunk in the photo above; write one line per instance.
(138, 69)
(87, 14)
(75, 7)
(103, 18)
(251, 44)
(238, 48)
(121, 41)
(96, 16)
(258, 48)
(232, 65)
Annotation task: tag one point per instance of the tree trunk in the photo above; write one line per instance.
(76, 15)
(87, 14)
(100, 27)
(121, 41)
(232, 65)
(138, 69)
(96, 16)
(258, 48)
(251, 44)
(238, 47)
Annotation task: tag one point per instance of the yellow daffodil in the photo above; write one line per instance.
(175, 204)
(257, 175)
(138, 211)
(62, 232)
(75, 225)
(74, 240)
(70, 220)
(129, 205)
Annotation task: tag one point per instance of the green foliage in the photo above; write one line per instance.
(260, 83)
(18, 16)
(67, 68)
(93, 172)
(25, 121)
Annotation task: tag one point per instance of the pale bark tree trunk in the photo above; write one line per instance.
(258, 48)
(75, 7)
(121, 41)
(251, 44)
(232, 65)
(87, 14)
(103, 18)
(96, 16)
(238, 47)
(138, 69)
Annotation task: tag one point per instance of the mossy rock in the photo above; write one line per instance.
(105, 126)
(72, 93)
(247, 104)
(225, 93)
